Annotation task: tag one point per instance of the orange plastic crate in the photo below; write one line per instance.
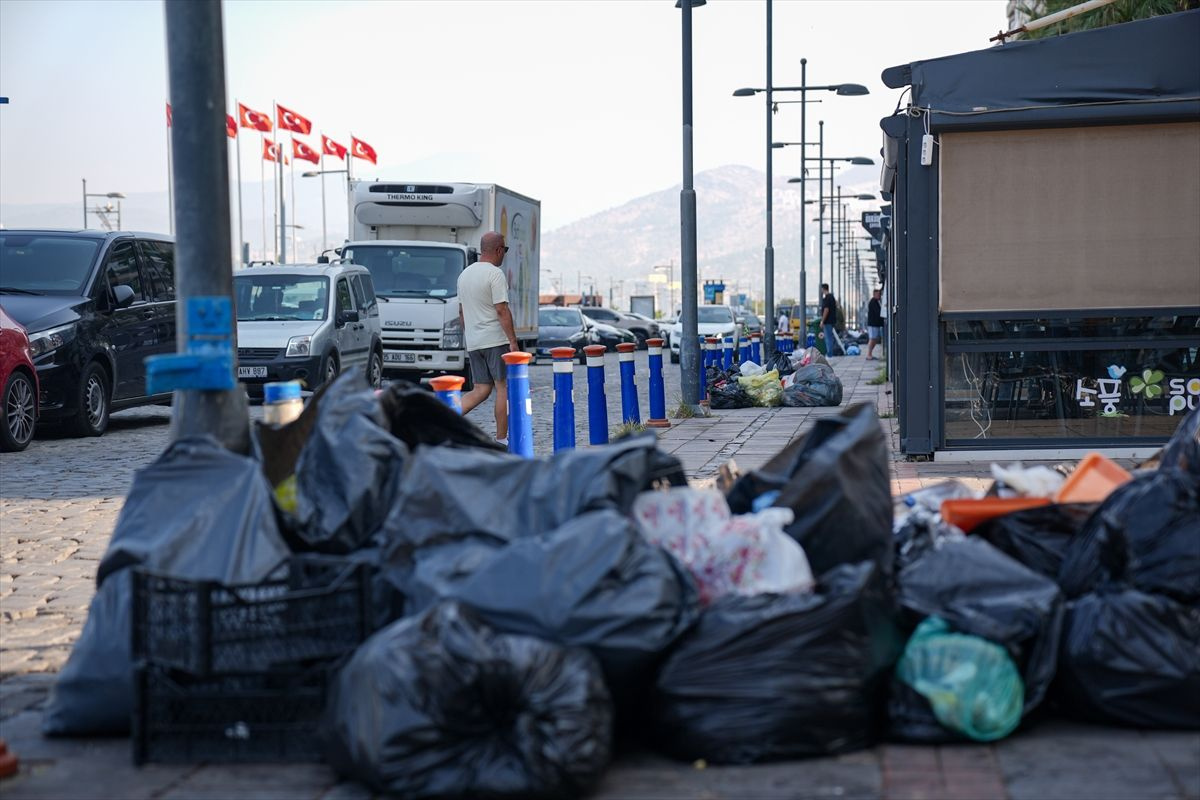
(1092, 481)
(966, 513)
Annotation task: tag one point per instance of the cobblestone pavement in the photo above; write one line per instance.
(59, 500)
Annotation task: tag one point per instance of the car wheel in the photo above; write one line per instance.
(375, 369)
(674, 357)
(91, 418)
(20, 409)
(641, 339)
(329, 369)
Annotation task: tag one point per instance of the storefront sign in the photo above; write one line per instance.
(1182, 394)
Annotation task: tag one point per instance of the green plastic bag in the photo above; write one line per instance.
(972, 685)
(764, 389)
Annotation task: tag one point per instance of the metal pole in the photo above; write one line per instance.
(292, 181)
(769, 253)
(821, 206)
(803, 186)
(237, 140)
(262, 188)
(689, 346)
(119, 215)
(85, 203)
(196, 73)
(170, 186)
(324, 237)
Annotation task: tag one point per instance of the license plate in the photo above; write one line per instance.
(252, 372)
(400, 358)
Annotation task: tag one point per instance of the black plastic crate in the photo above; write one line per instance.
(265, 717)
(315, 608)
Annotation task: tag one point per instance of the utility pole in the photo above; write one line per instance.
(196, 78)
(689, 347)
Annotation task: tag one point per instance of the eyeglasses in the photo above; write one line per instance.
(506, 248)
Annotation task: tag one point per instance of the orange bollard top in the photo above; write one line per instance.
(595, 349)
(656, 342)
(562, 352)
(712, 339)
(517, 358)
(626, 347)
(447, 383)
(756, 335)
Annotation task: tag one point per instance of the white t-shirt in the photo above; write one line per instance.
(480, 287)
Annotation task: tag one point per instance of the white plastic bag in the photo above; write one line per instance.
(750, 368)
(744, 554)
(1028, 481)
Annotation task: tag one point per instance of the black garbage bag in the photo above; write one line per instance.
(1147, 533)
(348, 474)
(1183, 450)
(1037, 537)
(780, 363)
(1130, 657)
(836, 481)
(595, 582)
(198, 512)
(813, 385)
(771, 677)
(441, 706)
(456, 493)
(727, 395)
(980, 591)
(416, 416)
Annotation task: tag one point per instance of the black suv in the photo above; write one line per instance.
(641, 328)
(95, 304)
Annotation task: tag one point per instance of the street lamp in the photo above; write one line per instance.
(689, 348)
(842, 89)
(98, 210)
(323, 172)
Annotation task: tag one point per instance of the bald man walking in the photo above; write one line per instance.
(487, 325)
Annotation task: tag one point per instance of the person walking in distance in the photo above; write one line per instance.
(874, 322)
(487, 326)
(829, 321)
(783, 325)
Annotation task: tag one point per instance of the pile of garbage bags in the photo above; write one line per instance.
(530, 617)
(800, 379)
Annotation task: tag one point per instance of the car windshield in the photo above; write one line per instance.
(270, 298)
(708, 316)
(562, 317)
(38, 264)
(410, 271)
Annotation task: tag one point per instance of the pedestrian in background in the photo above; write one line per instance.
(874, 322)
(487, 326)
(784, 325)
(829, 314)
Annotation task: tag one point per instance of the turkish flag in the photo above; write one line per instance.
(290, 120)
(230, 126)
(168, 115)
(304, 152)
(270, 150)
(360, 149)
(331, 148)
(254, 119)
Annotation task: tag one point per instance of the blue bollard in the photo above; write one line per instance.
(785, 343)
(629, 398)
(520, 405)
(564, 398)
(703, 379)
(597, 403)
(810, 340)
(448, 389)
(744, 351)
(756, 348)
(728, 348)
(658, 398)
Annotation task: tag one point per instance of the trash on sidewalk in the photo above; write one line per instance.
(807, 356)
(1016, 480)
(772, 677)
(725, 554)
(813, 385)
(1093, 480)
(965, 513)
(724, 390)
(764, 388)
(971, 685)
(416, 416)
(780, 363)
(928, 499)
(198, 512)
(749, 368)
(1037, 537)
(441, 705)
(835, 479)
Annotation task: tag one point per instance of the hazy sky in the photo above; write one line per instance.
(574, 102)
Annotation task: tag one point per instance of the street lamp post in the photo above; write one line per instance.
(322, 173)
(109, 195)
(689, 348)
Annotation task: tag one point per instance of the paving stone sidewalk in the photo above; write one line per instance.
(52, 534)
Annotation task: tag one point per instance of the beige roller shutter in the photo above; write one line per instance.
(1073, 218)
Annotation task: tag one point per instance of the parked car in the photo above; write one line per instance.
(641, 327)
(95, 304)
(710, 321)
(18, 379)
(564, 327)
(610, 336)
(750, 323)
(306, 323)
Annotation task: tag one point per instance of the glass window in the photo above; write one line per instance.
(280, 297)
(368, 290)
(410, 271)
(46, 264)
(360, 299)
(159, 261)
(122, 269)
(1149, 327)
(709, 315)
(344, 303)
(559, 317)
(1103, 394)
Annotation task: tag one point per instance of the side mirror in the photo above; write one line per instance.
(472, 255)
(122, 296)
(322, 259)
(347, 317)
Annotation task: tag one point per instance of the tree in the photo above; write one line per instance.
(1113, 14)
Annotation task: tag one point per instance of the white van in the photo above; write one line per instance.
(306, 323)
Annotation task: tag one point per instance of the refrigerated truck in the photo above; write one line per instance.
(415, 238)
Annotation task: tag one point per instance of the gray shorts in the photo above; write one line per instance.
(487, 366)
(875, 332)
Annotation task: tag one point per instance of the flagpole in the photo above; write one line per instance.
(170, 188)
(262, 188)
(292, 178)
(349, 197)
(237, 140)
(275, 200)
(321, 167)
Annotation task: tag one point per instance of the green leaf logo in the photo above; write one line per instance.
(1147, 383)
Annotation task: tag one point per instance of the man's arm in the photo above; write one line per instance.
(506, 325)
